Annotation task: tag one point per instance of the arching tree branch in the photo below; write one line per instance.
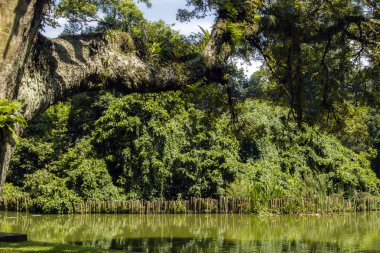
(64, 66)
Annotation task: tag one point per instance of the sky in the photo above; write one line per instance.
(161, 10)
(166, 10)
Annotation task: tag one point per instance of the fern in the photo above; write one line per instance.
(9, 119)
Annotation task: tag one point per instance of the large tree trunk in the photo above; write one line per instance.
(19, 22)
(40, 71)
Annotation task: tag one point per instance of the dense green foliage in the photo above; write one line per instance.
(169, 146)
(8, 120)
(320, 67)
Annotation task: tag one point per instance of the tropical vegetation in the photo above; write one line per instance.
(305, 124)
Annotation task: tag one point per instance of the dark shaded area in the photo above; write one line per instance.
(375, 163)
(249, 150)
(64, 55)
(7, 237)
(77, 44)
(78, 49)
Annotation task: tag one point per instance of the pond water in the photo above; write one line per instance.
(358, 232)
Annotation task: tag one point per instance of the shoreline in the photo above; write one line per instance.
(223, 205)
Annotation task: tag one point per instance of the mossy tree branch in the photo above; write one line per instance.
(64, 66)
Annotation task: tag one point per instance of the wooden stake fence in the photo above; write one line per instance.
(223, 205)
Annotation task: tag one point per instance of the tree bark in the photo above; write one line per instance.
(19, 24)
(61, 67)
(40, 71)
(5, 158)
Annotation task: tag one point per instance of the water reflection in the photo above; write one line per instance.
(203, 233)
(161, 245)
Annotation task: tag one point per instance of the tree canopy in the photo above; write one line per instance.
(320, 53)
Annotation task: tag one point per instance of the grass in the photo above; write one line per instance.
(26, 247)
